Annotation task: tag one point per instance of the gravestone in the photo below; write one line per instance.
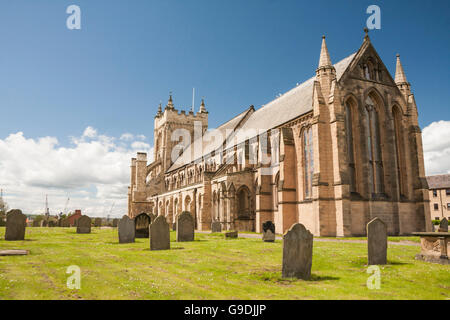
(216, 226)
(297, 252)
(84, 224)
(65, 223)
(231, 234)
(16, 222)
(268, 231)
(185, 227)
(98, 222)
(36, 223)
(377, 242)
(443, 225)
(126, 230)
(44, 223)
(159, 234)
(115, 223)
(142, 222)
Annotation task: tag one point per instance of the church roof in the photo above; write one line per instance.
(439, 182)
(294, 103)
(211, 140)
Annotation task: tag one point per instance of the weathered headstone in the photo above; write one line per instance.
(84, 224)
(268, 231)
(16, 222)
(142, 222)
(159, 234)
(126, 230)
(65, 223)
(115, 223)
(98, 222)
(231, 234)
(216, 226)
(377, 242)
(185, 227)
(443, 225)
(297, 252)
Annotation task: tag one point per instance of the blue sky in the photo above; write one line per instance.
(111, 75)
(128, 55)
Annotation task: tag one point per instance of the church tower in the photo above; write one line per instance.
(172, 128)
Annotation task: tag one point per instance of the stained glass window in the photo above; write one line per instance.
(308, 156)
(372, 129)
(350, 154)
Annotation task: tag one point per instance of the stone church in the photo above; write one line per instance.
(332, 153)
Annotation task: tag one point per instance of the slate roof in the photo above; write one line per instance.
(294, 103)
(439, 182)
(211, 140)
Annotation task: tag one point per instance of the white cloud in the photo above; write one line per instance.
(436, 147)
(94, 173)
(90, 132)
(127, 137)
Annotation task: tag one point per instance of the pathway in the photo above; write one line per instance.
(258, 236)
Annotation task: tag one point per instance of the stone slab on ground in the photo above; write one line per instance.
(231, 234)
(13, 252)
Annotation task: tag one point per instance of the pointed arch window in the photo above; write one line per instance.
(275, 190)
(372, 133)
(397, 115)
(308, 156)
(350, 147)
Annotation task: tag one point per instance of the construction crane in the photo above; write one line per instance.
(110, 210)
(47, 211)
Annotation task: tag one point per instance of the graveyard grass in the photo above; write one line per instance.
(208, 268)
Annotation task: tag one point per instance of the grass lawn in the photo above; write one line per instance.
(208, 268)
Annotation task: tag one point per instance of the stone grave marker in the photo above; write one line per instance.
(98, 222)
(297, 252)
(142, 223)
(377, 242)
(115, 223)
(16, 223)
(268, 231)
(84, 224)
(443, 225)
(159, 234)
(127, 230)
(216, 226)
(185, 227)
(231, 234)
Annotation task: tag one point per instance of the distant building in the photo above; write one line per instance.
(74, 217)
(439, 196)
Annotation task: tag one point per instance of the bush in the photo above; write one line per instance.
(436, 222)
